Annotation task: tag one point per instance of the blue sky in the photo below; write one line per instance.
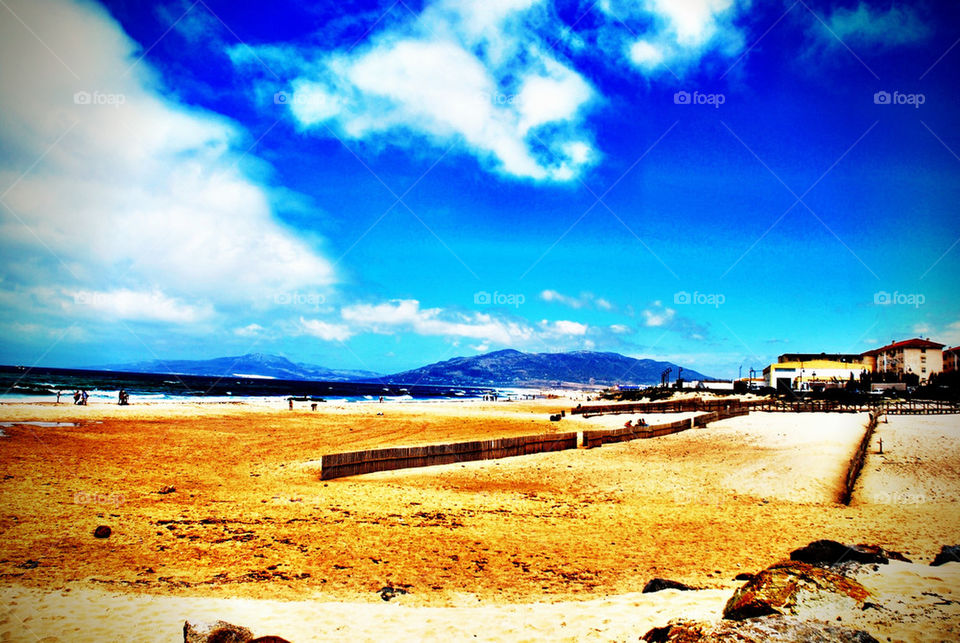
(380, 185)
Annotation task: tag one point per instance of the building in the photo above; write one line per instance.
(847, 358)
(951, 359)
(806, 375)
(919, 356)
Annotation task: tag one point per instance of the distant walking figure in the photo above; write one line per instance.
(123, 398)
(58, 396)
(76, 397)
(83, 397)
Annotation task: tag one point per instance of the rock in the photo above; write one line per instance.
(948, 554)
(102, 532)
(768, 628)
(165, 490)
(29, 564)
(785, 588)
(659, 584)
(829, 553)
(270, 639)
(216, 632)
(386, 593)
(744, 576)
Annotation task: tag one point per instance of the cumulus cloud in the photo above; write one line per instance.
(116, 191)
(658, 315)
(563, 327)
(469, 74)
(325, 330)
(583, 300)
(663, 36)
(406, 314)
(127, 304)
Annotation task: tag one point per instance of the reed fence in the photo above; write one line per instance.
(856, 461)
(667, 406)
(338, 465)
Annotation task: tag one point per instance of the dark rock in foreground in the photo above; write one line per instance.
(659, 584)
(759, 630)
(785, 587)
(216, 632)
(829, 553)
(102, 532)
(387, 593)
(948, 554)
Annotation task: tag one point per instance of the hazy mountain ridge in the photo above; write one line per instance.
(252, 364)
(506, 367)
(512, 367)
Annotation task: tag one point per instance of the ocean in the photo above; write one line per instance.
(41, 384)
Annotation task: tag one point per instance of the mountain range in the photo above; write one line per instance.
(500, 368)
(250, 365)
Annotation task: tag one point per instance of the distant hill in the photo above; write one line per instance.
(512, 367)
(250, 365)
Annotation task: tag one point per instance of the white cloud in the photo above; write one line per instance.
(949, 334)
(620, 329)
(645, 54)
(564, 327)
(465, 73)
(133, 195)
(326, 330)
(136, 305)
(407, 315)
(250, 330)
(583, 300)
(674, 34)
(658, 315)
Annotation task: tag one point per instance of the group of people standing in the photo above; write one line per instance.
(80, 397)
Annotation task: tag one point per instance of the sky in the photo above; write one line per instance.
(381, 185)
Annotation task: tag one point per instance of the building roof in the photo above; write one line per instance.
(814, 364)
(951, 350)
(834, 357)
(907, 343)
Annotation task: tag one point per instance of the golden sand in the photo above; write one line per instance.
(249, 518)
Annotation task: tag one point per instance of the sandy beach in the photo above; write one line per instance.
(553, 545)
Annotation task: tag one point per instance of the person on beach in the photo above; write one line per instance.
(83, 397)
(123, 398)
(58, 396)
(76, 398)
